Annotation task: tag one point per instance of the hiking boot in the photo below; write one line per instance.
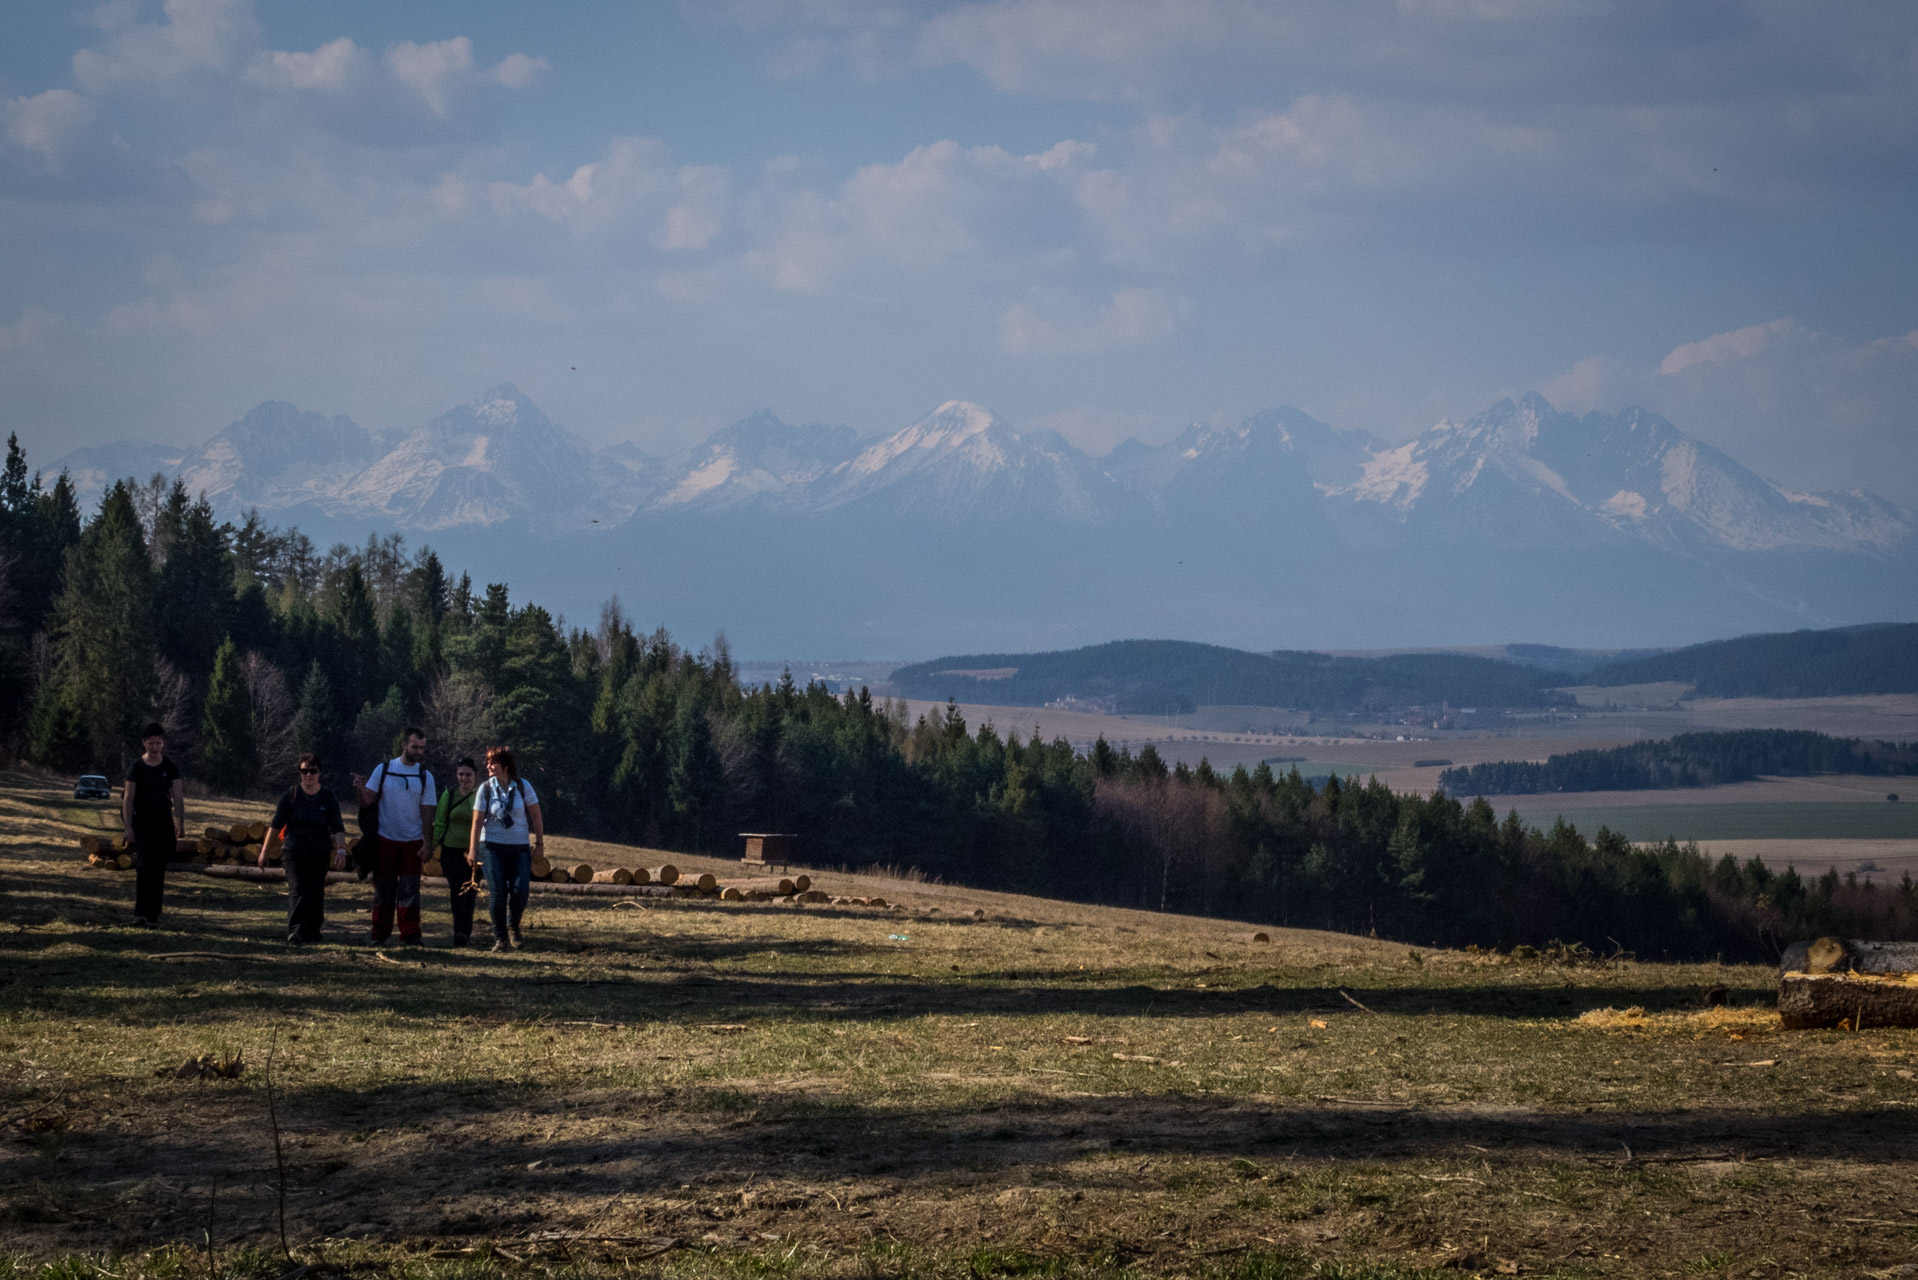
(295, 940)
(518, 940)
(501, 944)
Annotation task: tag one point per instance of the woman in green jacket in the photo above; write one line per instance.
(452, 828)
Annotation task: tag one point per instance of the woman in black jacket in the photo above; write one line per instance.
(313, 840)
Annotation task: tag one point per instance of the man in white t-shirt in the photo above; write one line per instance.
(404, 791)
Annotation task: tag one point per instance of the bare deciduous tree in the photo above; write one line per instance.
(271, 701)
(173, 706)
(459, 716)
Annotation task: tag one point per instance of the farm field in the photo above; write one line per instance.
(1209, 733)
(1750, 821)
(1884, 861)
(695, 1089)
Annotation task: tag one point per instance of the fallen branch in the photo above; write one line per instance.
(1349, 1000)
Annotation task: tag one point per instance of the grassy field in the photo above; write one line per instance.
(690, 1089)
(1756, 821)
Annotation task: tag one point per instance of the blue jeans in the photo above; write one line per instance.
(509, 878)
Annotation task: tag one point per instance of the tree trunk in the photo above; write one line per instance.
(1849, 1001)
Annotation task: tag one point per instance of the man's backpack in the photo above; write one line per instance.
(366, 852)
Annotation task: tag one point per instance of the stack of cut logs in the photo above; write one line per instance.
(215, 846)
(239, 844)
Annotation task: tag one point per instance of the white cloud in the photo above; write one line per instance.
(332, 66)
(442, 72)
(197, 36)
(1798, 406)
(437, 72)
(635, 184)
(517, 71)
(1736, 347)
(48, 122)
(1058, 327)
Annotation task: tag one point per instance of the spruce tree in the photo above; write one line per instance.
(228, 751)
(357, 658)
(193, 604)
(696, 778)
(315, 727)
(103, 655)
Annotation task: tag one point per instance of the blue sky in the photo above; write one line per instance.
(1106, 217)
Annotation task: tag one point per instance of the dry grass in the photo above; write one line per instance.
(1735, 1021)
(843, 1093)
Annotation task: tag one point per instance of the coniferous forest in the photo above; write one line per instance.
(250, 645)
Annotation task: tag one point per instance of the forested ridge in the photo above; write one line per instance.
(1684, 760)
(251, 644)
(1153, 677)
(1881, 658)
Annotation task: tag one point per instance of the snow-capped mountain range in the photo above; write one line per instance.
(1518, 491)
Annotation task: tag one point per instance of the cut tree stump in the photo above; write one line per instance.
(1849, 1001)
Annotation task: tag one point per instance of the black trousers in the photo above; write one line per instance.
(459, 883)
(153, 846)
(306, 891)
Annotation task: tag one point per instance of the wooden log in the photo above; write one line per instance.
(237, 833)
(1848, 1001)
(215, 833)
(666, 873)
(877, 901)
(616, 875)
(542, 869)
(706, 881)
(124, 862)
(815, 895)
(582, 872)
(185, 850)
(731, 894)
(559, 875)
(93, 846)
(256, 831)
(779, 886)
(802, 882)
(641, 875)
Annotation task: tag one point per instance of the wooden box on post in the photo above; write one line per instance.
(766, 849)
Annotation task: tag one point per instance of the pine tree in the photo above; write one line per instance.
(228, 751)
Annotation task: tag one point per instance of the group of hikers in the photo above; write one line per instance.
(491, 828)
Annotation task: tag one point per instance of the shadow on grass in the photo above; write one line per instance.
(240, 969)
(502, 1145)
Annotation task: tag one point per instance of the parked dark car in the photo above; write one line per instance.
(92, 786)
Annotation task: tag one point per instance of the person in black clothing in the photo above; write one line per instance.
(153, 815)
(313, 839)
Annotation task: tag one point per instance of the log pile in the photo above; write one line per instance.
(239, 845)
(1849, 984)
(228, 846)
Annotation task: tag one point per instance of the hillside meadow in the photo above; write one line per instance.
(696, 1089)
